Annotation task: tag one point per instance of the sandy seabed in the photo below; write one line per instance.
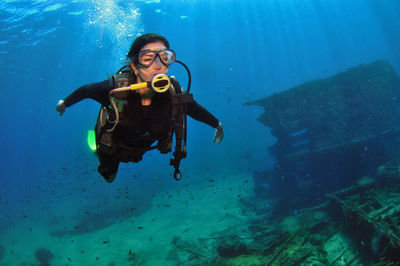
(148, 238)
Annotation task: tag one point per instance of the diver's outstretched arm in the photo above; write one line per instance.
(97, 91)
(199, 113)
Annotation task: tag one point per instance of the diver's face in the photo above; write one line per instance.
(157, 67)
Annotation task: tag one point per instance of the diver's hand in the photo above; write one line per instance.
(60, 107)
(219, 134)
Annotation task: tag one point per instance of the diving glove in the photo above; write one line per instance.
(60, 107)
(219, 134)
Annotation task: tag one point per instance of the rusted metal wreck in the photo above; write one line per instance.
(338, 152)
(331, 131)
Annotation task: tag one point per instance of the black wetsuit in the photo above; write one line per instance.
(140, 126)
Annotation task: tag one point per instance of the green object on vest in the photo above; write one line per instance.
(91, 140)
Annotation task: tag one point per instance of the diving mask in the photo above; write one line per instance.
(147, 57)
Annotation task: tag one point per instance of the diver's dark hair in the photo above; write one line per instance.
(141, 41)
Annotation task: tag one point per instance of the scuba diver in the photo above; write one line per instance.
(142, 108)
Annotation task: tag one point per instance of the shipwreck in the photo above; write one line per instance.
(332, 131)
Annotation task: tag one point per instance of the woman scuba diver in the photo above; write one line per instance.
(141, 106)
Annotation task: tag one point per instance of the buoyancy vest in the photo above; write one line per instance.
(109, 146)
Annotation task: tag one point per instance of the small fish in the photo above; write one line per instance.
(106, 242)
(150, 238)
(239, 195)
(97, 258)
(210, 180)
(69, 259)
(130, 252)
(139, 227)
(246, 181)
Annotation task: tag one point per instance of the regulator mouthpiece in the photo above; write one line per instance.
(160, 83)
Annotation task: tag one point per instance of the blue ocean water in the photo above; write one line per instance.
(237, 51)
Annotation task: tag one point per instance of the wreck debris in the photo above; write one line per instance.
(372, 213)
